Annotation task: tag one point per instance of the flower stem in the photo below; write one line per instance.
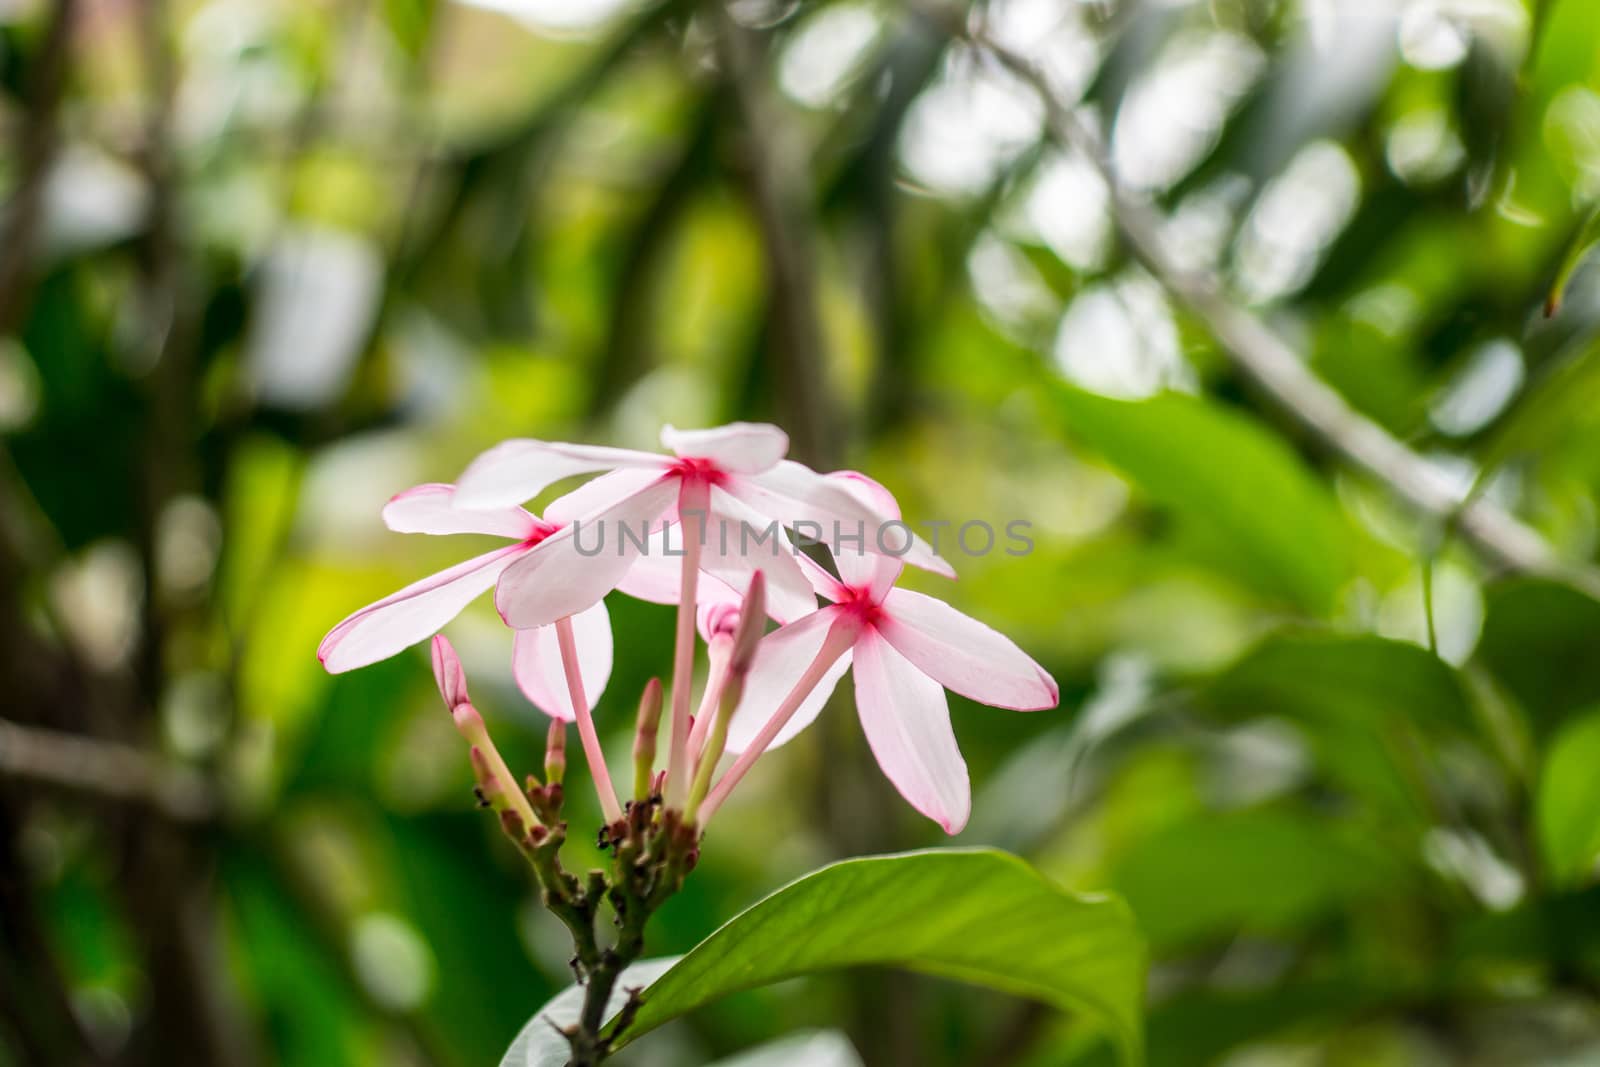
(841, 636)
(716, 682)
(591, 740)
(692, 502)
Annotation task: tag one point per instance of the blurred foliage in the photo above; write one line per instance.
(265, 263)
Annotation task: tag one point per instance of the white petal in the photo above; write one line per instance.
(731, 554)
(907, 723)
(781, 658)
(792, 493)
(963, 654)
(860, 564)
(574, 567)
(657, 573)
(741, 447)
(430, 509)
(600, 493)
(517, 470)
(413, 614)
(536, 663)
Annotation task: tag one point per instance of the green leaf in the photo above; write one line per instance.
(1539, 638)
(1583, 242)
(977, 915)
(1266, 870)
(1359, 698)
(1569, 803)
(1232, 479)
(1318, 677)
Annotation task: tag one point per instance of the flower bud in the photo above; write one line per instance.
(719, 619)
(497, 786)
(644, 739)
(447, 671)
(555, 752)
(752, 624)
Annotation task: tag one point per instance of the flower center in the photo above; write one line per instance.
(859, 601)
(540, 531)
(698, 469)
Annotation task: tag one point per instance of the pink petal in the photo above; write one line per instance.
(822, 583)
(732, 555)
(555, 579)
(413, 614)
(963, 654)
(447, 671)
(865, 567)
(907, 723)
(536, 663)
(657, 573)
(600, 493)
(781, 658)
(429, 509)
(517, 470)
(741, 447)
(792, 493)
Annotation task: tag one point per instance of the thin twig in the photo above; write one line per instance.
(103, 769)
(1501, 538)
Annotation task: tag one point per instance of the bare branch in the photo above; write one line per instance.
(103, 769)
(1280, 371)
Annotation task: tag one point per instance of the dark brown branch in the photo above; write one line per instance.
(1275, 367)
(104, 770)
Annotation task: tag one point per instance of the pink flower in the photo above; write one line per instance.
(728, 479)
(906, 649)
(421, 609)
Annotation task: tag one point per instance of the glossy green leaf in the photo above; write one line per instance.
(980, 916)
(1569, 803)
(976, 915)
(1229, 477)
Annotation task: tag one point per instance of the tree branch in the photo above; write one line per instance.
(1274, 366)
(103, 769)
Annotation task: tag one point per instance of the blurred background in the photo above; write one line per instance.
(264, 263)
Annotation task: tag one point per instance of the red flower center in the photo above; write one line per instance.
(859, 601)
(697, 469)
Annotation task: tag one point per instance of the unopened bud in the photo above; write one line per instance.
(555, 753)
(719, 619)
(644, 739)
(752, 624)
(447, 671)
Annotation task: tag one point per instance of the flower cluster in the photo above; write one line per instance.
(671, 513)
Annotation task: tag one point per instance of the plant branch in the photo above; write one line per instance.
(1269, 361)
(104, 769)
